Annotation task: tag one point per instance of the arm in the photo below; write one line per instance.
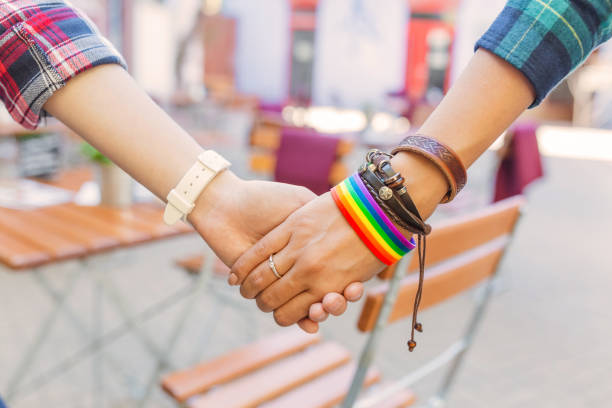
(315, 246)
(54, 61)
(516, 66)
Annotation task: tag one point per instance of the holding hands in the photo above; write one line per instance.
(315, 252)
(234, 217)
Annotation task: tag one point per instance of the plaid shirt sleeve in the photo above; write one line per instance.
(547, 39)
(43, 44)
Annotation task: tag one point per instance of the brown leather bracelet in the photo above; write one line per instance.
(442, 156)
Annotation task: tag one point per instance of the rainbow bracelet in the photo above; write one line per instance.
(370, 222)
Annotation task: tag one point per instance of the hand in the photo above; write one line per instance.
(316, 251)
(233, 214)
(333, 303)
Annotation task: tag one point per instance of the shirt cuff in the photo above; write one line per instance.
(525, 43)
(45, 56)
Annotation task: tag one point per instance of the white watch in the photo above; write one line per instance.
(182, 197)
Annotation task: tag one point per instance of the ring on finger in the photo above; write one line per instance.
(273, 267)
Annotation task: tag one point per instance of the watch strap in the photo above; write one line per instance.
(181, 199)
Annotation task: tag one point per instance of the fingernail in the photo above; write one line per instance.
(233, 279)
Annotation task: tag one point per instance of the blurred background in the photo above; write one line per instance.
(99, 300)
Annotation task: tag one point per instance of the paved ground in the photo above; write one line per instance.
(544, 341)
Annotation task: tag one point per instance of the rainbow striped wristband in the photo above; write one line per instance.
(369, 221)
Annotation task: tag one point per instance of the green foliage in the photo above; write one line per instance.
(93, 154)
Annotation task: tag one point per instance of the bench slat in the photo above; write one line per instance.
(441, 282)
(272, 381)
(324, 392)
(184, 384)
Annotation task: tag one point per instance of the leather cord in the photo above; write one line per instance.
(410, 220)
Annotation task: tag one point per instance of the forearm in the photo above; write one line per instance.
(485, 100)
(107, 108)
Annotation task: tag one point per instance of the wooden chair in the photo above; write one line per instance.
(265, 139)
(293, 369)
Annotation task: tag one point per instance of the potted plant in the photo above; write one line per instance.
(115, 184)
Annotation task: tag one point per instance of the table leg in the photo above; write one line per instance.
(202, 282)
(32, 351)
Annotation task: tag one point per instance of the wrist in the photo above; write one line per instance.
(424, 181)
(215, 196)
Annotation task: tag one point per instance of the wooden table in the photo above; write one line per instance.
(33, 240)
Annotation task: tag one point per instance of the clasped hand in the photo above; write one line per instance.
(322, 262)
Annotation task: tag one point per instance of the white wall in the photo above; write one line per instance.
(262, 49)
(359, 52)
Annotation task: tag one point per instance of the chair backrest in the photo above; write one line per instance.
(460, 253)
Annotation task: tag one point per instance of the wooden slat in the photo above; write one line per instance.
(266, 135)
(19, 226)
(402, 399)
(324, 392)
(266, 163)
(275, 380)
(461, 234)
(91, 239)
(452, 237)
(441, 282)
(18, 255)
(184, 384)
(130, 219)
(193, 265)
(71, 214)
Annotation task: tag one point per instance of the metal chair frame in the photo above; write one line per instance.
(97, 267)
(453, 355)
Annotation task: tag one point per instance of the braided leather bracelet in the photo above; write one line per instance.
(442, 156)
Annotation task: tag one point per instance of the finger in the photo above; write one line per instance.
(263, 276)
(334, 303)
(308, 326)
(280, 292)
(316, 313)
(294, 310)
(354, 291)
(273, 242)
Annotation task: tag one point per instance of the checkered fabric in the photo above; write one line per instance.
(547, 39)
(42, 45)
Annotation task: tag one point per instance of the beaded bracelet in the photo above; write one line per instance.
(369, 221)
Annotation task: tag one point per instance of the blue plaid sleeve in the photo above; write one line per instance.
(547, 39)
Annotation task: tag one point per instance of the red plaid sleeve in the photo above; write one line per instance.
(42, 45)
